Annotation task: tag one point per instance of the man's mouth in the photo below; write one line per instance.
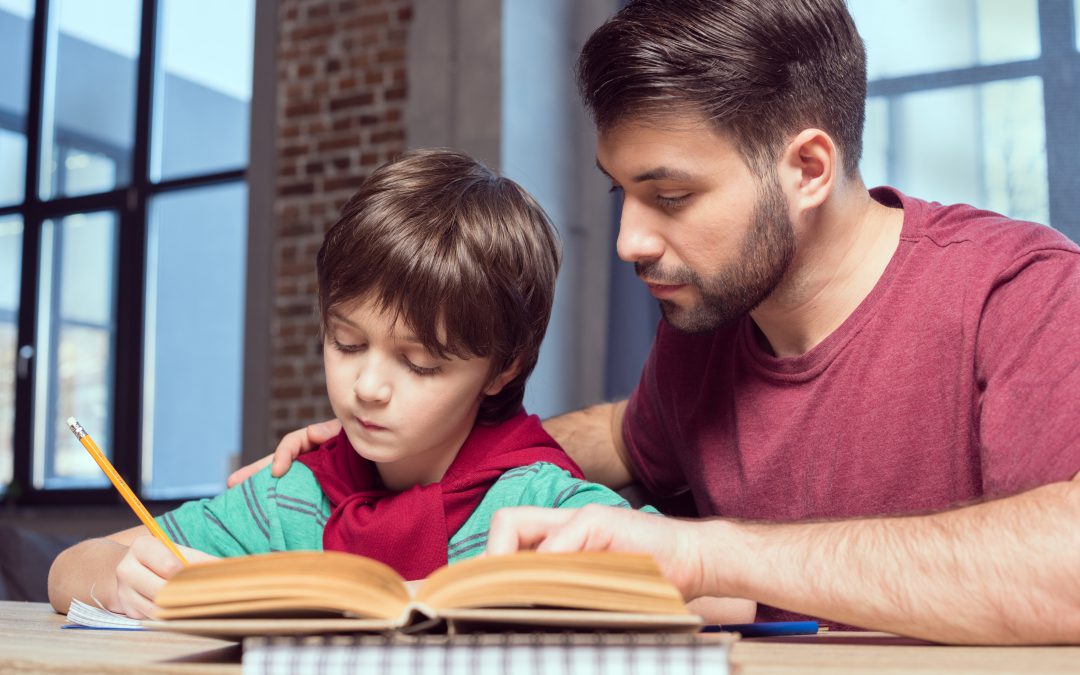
(663, 290)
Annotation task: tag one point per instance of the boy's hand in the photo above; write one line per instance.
(291, 446)
(142, 572)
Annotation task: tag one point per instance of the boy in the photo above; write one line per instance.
(435, 289)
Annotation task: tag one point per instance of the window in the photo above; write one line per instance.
(123, 240)
(972, 101)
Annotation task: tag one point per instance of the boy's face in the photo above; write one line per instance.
(400, 406)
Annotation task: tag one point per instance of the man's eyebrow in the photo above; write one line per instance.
(659, 173)
(601, 168)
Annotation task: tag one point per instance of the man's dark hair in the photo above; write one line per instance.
(465, 257)
(759, 70)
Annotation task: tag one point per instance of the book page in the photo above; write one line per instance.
(614, 582)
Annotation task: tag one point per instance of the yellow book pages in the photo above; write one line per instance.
(282, 583)
(616, 591)
(614, 582)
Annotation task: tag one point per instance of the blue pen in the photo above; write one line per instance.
(766, 629)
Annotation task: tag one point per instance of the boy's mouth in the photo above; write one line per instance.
(369, 426)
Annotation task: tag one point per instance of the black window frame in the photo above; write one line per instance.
(1057, 65)
(129, 203)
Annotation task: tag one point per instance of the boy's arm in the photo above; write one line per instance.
(123, 571)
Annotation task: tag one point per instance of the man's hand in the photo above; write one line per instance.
(143, 571)
(291, 446)
(673, 543)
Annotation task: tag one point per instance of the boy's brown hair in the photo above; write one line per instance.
(466, 258)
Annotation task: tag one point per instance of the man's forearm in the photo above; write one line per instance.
(592, 437)
(1000, 572)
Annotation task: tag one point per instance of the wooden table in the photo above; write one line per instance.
(31, 641)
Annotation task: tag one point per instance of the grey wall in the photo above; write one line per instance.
(494, 78)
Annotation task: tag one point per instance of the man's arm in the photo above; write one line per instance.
(292, 445)
(999, 572)
(593, 438)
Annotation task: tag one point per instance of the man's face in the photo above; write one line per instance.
(710, 239)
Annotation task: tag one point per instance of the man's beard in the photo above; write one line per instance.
(738, 288)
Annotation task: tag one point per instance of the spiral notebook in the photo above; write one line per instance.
(480, 654)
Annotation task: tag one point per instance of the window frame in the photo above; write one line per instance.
(1056, 65)
(130, 204)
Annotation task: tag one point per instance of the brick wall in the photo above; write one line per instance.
(340, 113)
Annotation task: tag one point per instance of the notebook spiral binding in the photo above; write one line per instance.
(482, 653)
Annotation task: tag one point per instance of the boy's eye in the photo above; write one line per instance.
(346, 348)
(615, 188)
(421, 370)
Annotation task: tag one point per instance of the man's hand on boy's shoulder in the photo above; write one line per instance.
(292, 445)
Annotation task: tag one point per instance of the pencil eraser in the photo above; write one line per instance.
(70, 421)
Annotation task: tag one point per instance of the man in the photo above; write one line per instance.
(872, 395)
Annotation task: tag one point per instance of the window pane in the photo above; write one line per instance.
(10, 268)
(922, 36)
(89, 113)
(16, 18)
(75, 347)
(193, 345)
(202, 87)
(982, 145)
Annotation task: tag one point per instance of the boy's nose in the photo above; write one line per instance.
(371, 387)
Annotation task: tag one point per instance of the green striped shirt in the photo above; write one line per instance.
(265, 514)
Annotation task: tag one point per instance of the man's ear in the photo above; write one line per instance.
(808, 167)
(502, 379)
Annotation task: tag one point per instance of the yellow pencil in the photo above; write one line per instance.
(120, 485)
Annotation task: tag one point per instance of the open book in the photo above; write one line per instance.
(322, 592)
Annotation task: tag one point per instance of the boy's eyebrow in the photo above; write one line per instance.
(343, 319)
(659, 173)
(407, 337)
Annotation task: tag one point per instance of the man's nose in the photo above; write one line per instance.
(638, 241)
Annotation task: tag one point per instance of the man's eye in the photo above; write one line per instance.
(615, 188)
(672, 202)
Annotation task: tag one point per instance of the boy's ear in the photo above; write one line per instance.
(502, 379)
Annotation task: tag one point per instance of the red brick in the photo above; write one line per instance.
(302, 109)
(286, 151)
(343, 183)
(380, 137)
(341, 91)
(339, 142)
(354, 101)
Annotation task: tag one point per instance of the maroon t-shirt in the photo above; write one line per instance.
(956, 379)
